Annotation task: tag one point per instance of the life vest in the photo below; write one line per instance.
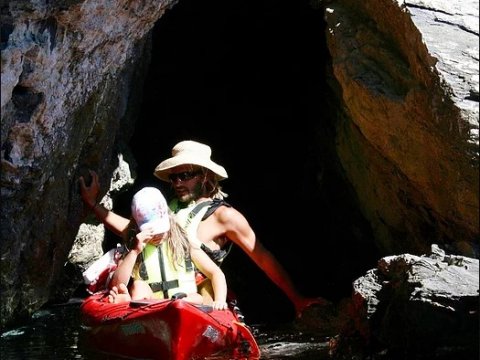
(189, 219)
(165, 278)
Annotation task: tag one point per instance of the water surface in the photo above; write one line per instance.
(57, 333)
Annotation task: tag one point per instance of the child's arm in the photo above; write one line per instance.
(125, 267)
(214, 273)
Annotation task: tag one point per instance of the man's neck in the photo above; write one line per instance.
(193, 202)
(197, 201)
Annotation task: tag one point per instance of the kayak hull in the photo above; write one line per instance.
(166, 329)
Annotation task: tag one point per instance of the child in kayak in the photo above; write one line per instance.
(161, 262)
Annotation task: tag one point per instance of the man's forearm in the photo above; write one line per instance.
(115, 223)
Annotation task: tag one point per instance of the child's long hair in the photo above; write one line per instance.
(177, 241)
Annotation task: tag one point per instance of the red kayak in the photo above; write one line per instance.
(167, 330)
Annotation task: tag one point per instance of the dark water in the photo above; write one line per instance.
(57, 333)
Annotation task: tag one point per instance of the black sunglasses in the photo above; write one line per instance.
(183, 176)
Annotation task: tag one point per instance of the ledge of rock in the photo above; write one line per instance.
(414, 305)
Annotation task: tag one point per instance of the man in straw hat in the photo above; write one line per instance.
(201, 210)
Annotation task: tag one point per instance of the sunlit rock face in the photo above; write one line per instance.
(408, 77)
(406, 126)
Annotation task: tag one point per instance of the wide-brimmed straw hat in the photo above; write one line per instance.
(189, 152)
(150, 210)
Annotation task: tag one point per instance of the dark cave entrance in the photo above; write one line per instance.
(249, 79)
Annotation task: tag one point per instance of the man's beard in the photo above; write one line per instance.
(186, 198)
(193, 195)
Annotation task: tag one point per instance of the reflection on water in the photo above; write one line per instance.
(288, 343)
(57, 333)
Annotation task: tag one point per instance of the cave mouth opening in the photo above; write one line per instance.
(249, 79)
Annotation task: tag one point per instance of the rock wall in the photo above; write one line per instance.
(407, 74)
(71, 75)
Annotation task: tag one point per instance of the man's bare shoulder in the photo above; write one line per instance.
(235, 226)
(225, 214)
